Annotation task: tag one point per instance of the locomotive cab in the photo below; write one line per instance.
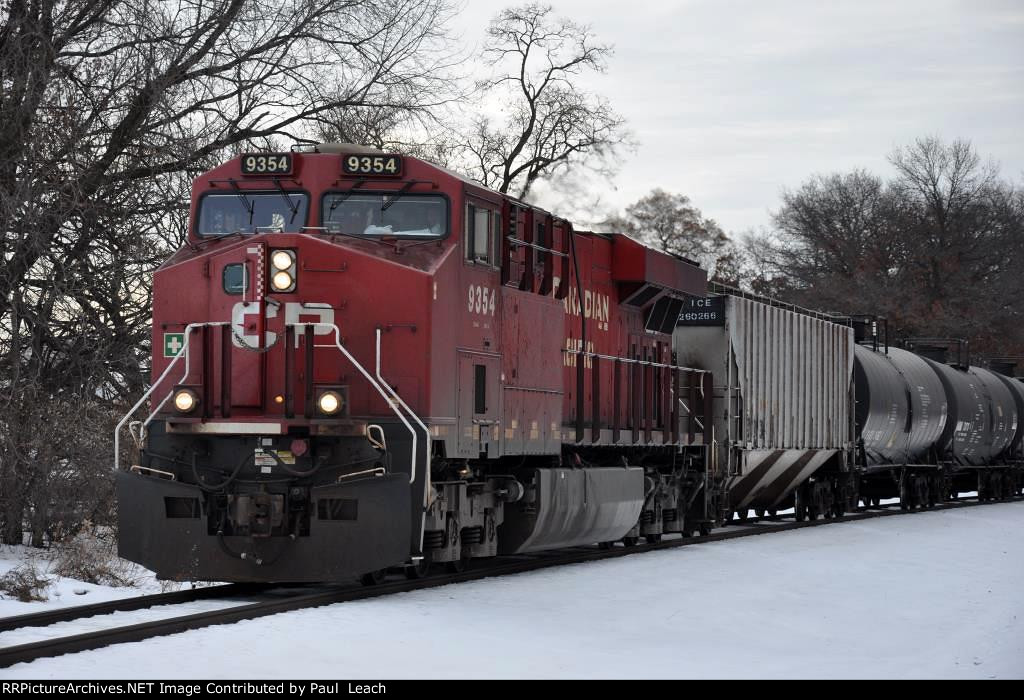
(273, 447)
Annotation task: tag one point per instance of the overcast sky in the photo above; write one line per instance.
(732, 101)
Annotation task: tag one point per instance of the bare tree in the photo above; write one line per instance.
(547, 121)
(839, 243)
(671, 223)
(108, 108)
(937, 249)
(965, 239)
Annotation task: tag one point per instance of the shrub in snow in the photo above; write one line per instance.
(91, 556)
(26, 583)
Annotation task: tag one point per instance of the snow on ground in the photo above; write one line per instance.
(928, 595)
(65, 592)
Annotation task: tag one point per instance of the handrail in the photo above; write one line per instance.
(690, 414)
(527, 244)
(183, 351)
(426, 430)
(184, 376)
(366, 375)
(631, 361)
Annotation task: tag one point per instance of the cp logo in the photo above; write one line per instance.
(294, 312)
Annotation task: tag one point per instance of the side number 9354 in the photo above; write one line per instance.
(481, 300)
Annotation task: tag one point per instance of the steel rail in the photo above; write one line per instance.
(502, 566)
(78, 612)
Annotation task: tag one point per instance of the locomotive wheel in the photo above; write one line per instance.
(653, 539)
(630, 541)
(456, 567)
(772, 512)
(374, 577)
(418, 570)
(801, 513)
(705, 529)
(759, 512)
(605, 545)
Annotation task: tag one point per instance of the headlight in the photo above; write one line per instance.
(330, 402)
(283, 272)
(185, 400)
(282, 281)
(282, 259)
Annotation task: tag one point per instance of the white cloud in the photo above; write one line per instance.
(732, 101)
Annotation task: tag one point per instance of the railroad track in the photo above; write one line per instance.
(326, 595)
(78, 612)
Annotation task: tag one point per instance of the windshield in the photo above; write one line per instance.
(407, 215)
(250, 212)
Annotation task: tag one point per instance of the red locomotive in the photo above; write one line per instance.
(364, 361)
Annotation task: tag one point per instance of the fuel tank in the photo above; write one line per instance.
(902, 411)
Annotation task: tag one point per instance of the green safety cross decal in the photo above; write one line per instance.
(173, 343)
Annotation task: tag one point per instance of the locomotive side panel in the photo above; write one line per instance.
(622, 396)
(532, 390)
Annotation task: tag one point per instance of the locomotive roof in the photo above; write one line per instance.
(339, 148)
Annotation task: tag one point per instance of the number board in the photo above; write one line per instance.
(266, 164)
(703, 311)
(384, 165)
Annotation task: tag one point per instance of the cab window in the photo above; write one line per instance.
(251, 212)
(398, 215)
(482, 226)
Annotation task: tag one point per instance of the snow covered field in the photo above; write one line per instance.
(929, 595)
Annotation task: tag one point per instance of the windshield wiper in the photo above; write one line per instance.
(338, 232)
(405, 188)
(249, 206)
(287, 200)
(213, 239)
(340, 199)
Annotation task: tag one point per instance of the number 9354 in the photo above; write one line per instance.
(372, 165)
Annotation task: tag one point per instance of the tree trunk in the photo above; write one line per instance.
(11, 531)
